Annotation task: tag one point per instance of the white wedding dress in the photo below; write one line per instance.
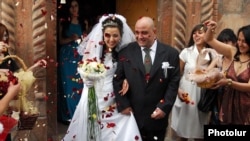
(124, 127)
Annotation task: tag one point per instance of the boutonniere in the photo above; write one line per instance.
(165, 67)
(147, 77)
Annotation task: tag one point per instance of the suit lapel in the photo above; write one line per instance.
(158, 59)
(137, 57)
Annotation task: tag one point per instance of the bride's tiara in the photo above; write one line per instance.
(110, 23)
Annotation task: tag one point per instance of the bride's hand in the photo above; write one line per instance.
(88, 83)
(125, 87)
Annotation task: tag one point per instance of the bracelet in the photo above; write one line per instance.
(229, 82)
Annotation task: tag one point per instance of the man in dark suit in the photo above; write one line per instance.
(151, 95)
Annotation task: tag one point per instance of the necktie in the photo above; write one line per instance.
(147, 60)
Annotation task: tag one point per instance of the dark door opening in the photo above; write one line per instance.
(89, 10)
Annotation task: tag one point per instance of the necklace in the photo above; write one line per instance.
(225, 65)
(242, 62)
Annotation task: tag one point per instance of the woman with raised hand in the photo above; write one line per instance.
(234, 104)
(227, 36)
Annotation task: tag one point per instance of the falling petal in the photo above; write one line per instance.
(136, 137)
(155, 138)
(17, 3)
(52, 18)
(44, 12)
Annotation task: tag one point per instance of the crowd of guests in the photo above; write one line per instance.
(143, 99)
(151, 96)
(231, 89)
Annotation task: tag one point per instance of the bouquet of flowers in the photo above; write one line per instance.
(93, 70)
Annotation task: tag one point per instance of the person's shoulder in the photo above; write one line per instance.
(133, 44)
(188, 49)
(129, 46)
(167, 47)
(164, 44)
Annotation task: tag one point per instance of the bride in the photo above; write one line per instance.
(108, 36)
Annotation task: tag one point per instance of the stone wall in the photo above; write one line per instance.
(175, 18)
(31, 24)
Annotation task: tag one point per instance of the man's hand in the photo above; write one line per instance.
(158, 114)
(127, 111)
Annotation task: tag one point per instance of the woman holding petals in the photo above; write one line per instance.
(234, 102)
(187, 120)
(8, 65)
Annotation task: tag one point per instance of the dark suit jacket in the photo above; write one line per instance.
(145, 96)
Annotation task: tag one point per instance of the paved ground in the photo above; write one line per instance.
(63, 128)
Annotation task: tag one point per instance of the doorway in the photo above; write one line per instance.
(88, 10)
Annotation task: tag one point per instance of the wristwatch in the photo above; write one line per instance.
(229, 82)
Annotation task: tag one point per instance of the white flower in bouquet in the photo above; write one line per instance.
(91, 69)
